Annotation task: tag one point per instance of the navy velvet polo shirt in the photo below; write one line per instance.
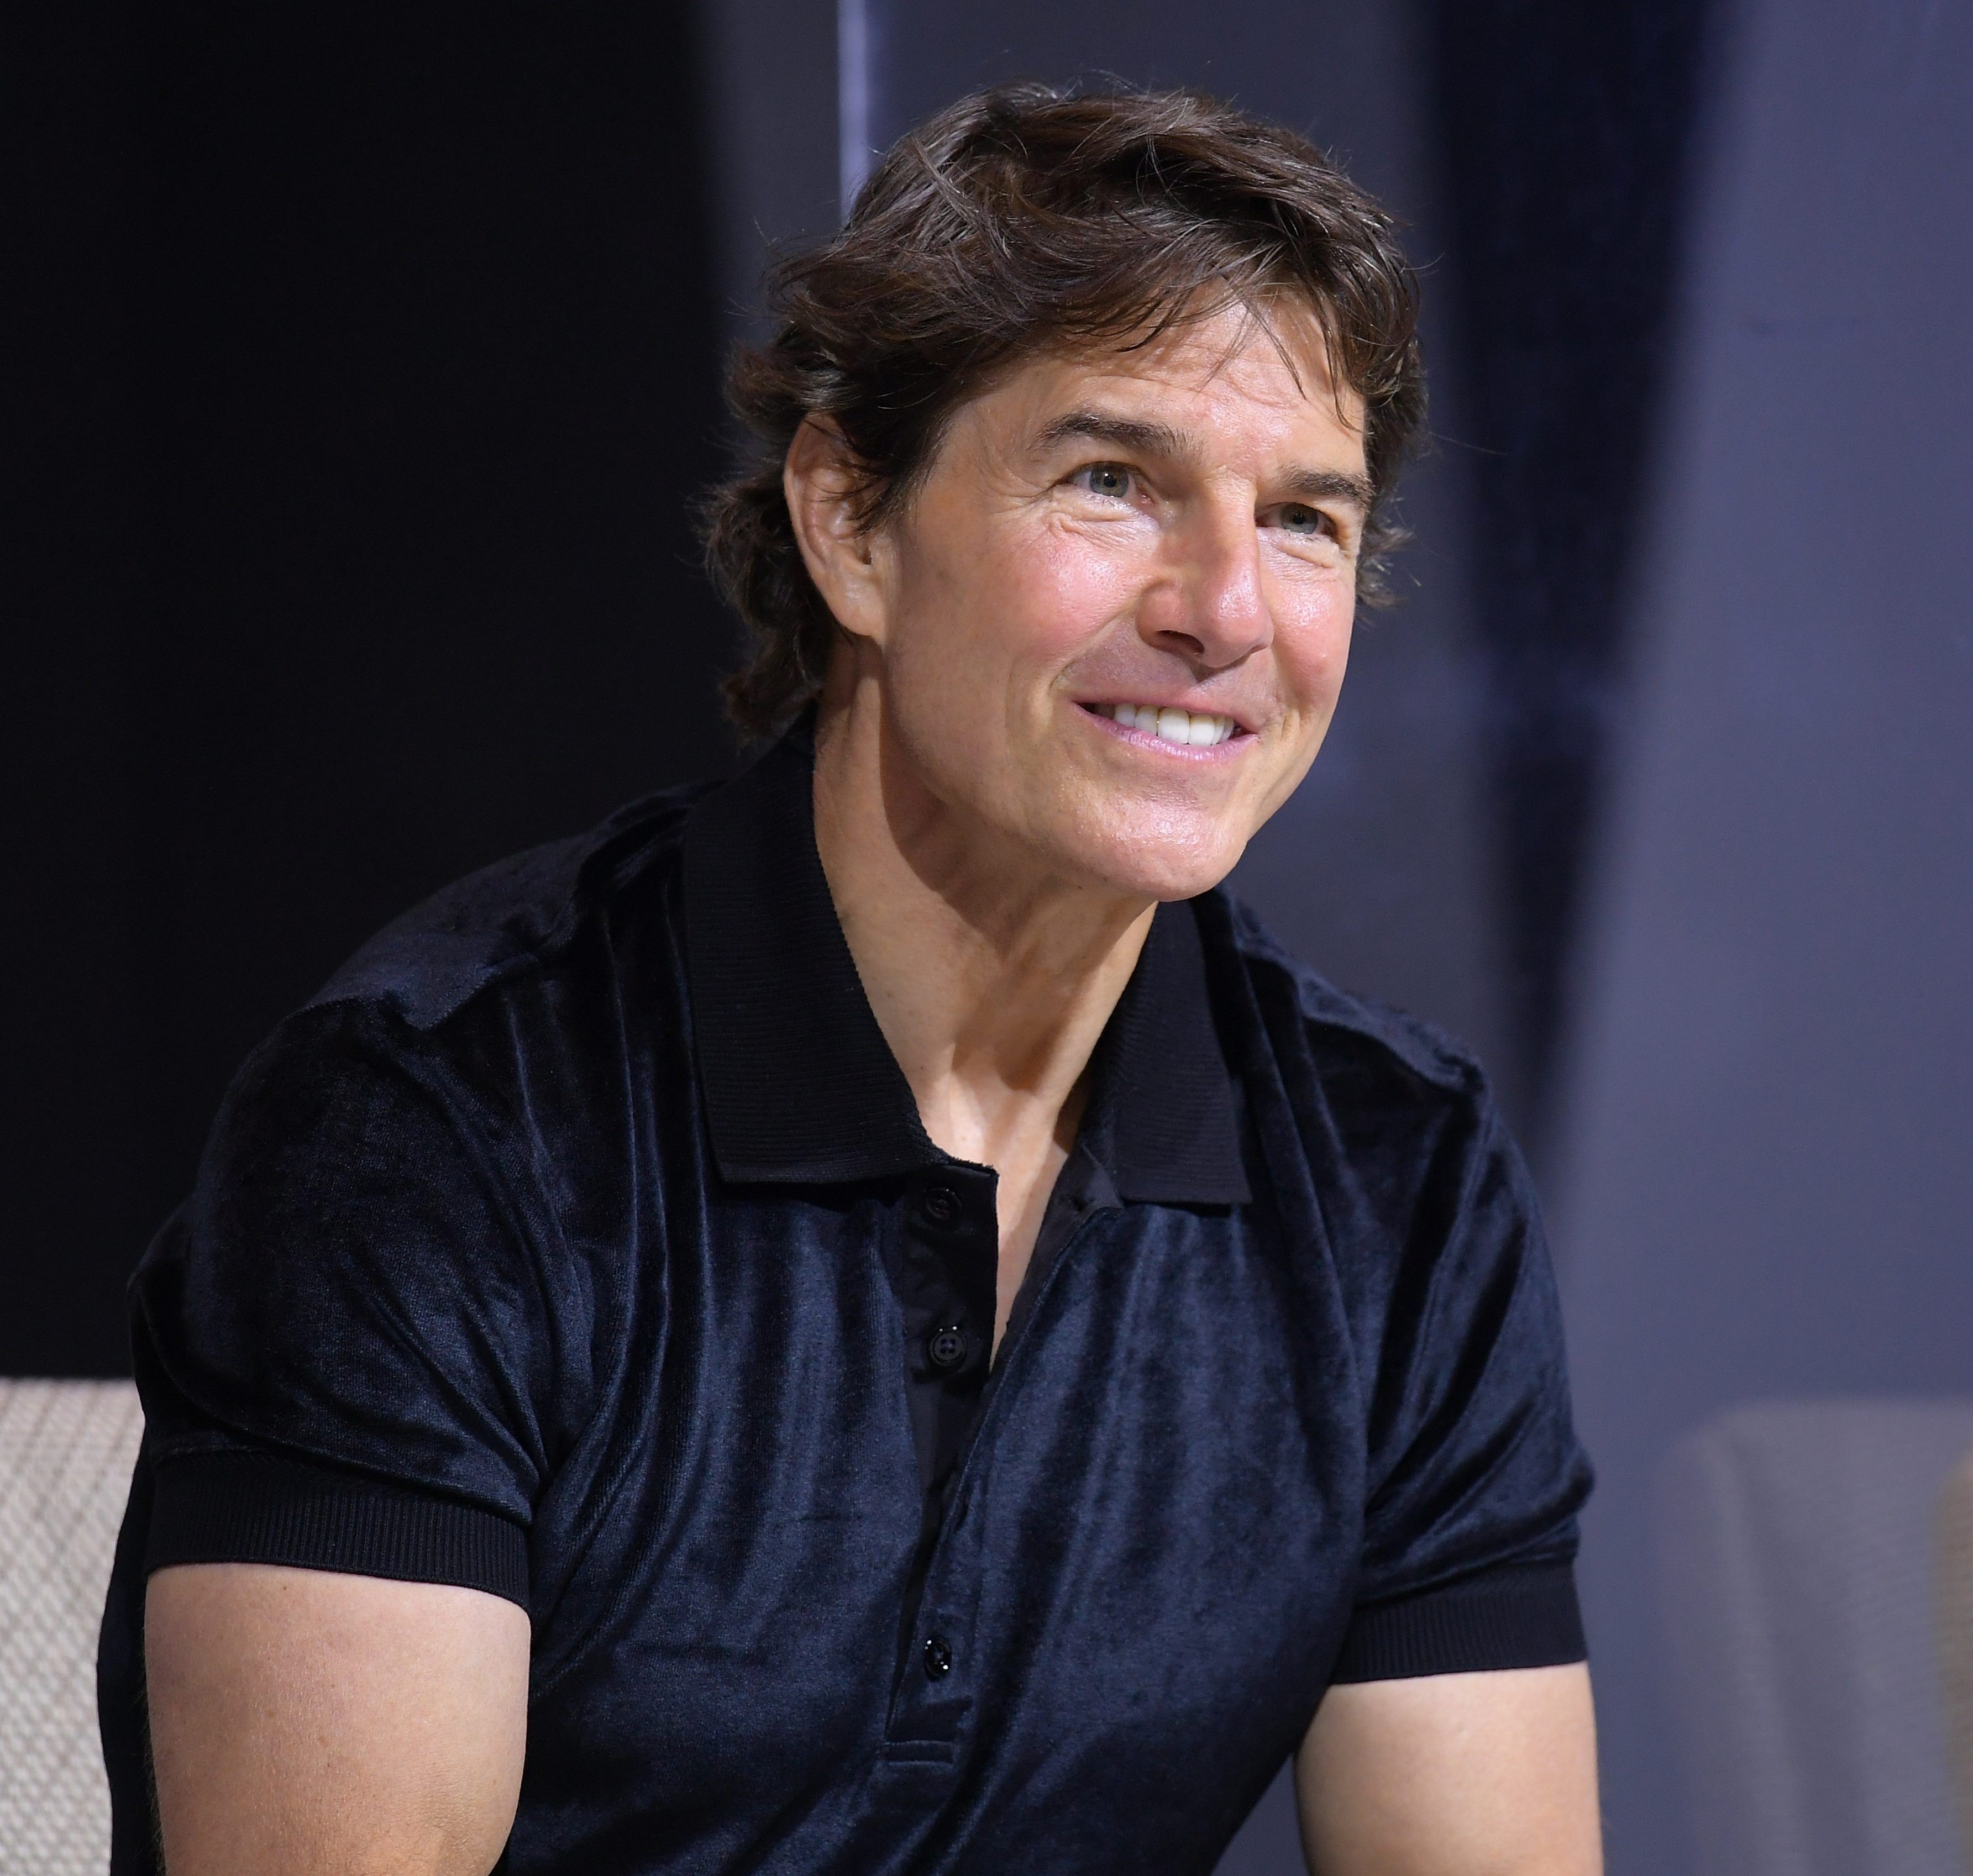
(580, 1243)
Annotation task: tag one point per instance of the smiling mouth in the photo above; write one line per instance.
(1191, 729)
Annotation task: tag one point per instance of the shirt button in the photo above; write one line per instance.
(941, 1204)
(937, 1657)
(946, 1347)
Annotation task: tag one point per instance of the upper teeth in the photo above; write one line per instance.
(1175, 726)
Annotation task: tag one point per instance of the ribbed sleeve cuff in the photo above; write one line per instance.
(251, 1508)
(1526, 1617)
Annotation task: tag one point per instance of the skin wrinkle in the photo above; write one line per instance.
(1162, 439)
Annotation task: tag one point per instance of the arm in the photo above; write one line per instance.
(1489, 1774)
(306, 1722)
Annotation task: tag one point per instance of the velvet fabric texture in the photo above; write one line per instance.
(580, 1243)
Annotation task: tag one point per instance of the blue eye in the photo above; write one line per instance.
(1298, 520)
(1106, 478)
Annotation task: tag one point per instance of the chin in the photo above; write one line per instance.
(1158, 865)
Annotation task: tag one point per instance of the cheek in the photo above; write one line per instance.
(1007, 601)
(1312, 644)
(1058, 590)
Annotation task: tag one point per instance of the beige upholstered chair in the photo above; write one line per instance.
(67, 1448)
(1797, 1552)
(1953, 1583)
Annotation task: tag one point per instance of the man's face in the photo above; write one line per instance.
(1113, 623)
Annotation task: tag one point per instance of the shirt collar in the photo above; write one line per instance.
(800, 1085)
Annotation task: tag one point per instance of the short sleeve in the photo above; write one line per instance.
(343, 1341)
(1475, 1475)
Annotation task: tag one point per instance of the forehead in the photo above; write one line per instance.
(1262, 382)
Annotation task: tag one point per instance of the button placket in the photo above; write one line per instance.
(952, 1228)
(934, 1705)
(949, 1238)
(936, 1693)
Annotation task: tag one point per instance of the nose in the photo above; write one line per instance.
(1209, 606)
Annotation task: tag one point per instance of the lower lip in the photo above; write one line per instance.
(1177, 752)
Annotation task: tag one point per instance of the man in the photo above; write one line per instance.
(870, 1319)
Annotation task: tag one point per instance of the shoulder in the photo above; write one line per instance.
(1386, 1124)
(512, 917)
(1352, 1044)
(1393, 1171)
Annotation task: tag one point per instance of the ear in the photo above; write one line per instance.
(843, 559)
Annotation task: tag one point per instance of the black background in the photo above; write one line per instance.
(361, 370)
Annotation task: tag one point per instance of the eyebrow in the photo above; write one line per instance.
(1161, 439)
(1333, 486)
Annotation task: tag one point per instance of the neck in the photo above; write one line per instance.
(991, 978)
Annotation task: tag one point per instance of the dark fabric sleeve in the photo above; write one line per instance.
(1475, 1474)
(343, 1342)
(238, 1506)
(1508, 1618)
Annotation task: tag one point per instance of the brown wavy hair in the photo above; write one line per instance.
(1019, 221)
